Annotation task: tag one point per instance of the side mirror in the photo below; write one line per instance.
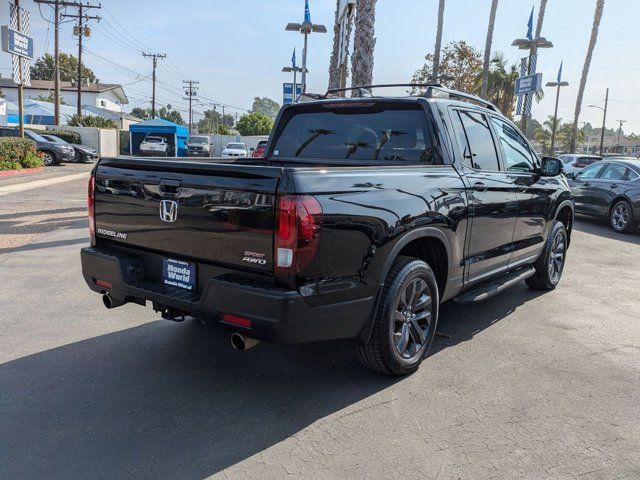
(551, 167)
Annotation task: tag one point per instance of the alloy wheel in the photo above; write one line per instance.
(412, 318)
(556, 257)
(47, 158)
(620, 217)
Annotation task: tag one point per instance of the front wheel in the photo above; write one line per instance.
(48, 159)
(405, 321)
(621, 217)
(550, 265)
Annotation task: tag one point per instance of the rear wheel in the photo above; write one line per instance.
(550, 265)
(621, 217)
(405, 322)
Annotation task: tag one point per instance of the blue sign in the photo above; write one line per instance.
(287, 92)
(529, 84)
(17, 43)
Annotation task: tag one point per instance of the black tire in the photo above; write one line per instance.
(382, 352)
(547, 276)
(621, 217)
(48, 158)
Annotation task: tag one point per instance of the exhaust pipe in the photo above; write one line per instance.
(242, 343)
(111, 302)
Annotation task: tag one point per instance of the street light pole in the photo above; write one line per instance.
(555, 112)
(604, 118)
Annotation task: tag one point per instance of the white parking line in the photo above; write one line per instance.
(21, 187)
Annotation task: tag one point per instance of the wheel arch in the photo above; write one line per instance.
(429, 244)
(565, 213)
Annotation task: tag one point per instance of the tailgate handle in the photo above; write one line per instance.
(171, 186)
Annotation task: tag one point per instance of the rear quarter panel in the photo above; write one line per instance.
(366, 211)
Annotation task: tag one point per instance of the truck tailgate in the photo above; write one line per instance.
(185, 210)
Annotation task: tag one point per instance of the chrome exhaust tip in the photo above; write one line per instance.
(241, 343)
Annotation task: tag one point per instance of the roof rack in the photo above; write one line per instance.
(433, 90)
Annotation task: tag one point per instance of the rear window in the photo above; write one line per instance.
(392, 134)
(154, 139)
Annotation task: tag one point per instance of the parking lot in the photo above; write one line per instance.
(524, 385)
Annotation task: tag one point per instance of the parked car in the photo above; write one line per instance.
(82, 153)
(260, 149)
(573, 162)
(610, 189)
(364, 215)
(52, 153)
(199, 146)
(235, 149)
(154, 146)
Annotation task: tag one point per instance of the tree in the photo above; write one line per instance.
(597, 16)
(91, 121)
(364, 43)
(266, 106)
(168, 113)
(42, 68)
(460, 68)
(49, 98)
(254, 123)
(334, 66)
(487, 48)
(436, 53)
(141, 113)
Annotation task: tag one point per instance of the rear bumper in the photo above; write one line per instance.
(276, 314)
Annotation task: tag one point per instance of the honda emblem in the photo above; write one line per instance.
(168, 211)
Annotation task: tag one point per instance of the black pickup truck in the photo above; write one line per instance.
(364, 215)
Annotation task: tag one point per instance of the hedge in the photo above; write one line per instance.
(67, 136)
(17, 153)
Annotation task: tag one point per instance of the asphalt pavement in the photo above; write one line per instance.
(529, 384)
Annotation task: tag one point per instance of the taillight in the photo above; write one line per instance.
(297, 236)
(91, 209)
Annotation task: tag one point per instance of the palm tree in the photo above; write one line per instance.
(487, 48)
(364, 43)
(597, 16)
(436, 53)
(334, 67)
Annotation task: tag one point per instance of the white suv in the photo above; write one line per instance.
(154, 146)
(235, 149)
(574, 162)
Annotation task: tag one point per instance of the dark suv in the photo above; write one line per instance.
(364, 215)
(52, 153)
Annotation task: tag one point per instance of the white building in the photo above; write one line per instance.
(106, 96)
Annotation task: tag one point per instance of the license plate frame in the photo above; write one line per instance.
(178, 273)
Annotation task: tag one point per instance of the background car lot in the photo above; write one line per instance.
(527, 385)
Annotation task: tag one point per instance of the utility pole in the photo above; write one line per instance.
(621, 122)
(56, 64)
(20, 89)
(82, 31)
(191, 90)
(604, 118)
(154, 57)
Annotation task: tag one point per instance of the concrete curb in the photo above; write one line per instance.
(22, 171)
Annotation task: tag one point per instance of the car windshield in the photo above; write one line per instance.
(198, 140)
(236, 146)
(154, 139)
(262, 144)
(55, 139)
(35, 136)
(355, 133)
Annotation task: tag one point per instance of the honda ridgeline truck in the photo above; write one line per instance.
(364, 215)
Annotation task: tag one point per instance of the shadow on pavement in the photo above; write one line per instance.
(53, 211)
(175, 401)
(595, 226)
(41, 245)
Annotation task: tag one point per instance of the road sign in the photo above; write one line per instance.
(529, 84)
(17, 43)
(287, 92)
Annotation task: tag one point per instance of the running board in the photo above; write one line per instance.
(494, 286)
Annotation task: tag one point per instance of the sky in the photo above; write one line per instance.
(236, 49)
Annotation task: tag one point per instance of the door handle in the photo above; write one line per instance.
(480, 187)
(587, 184)
(615, 185)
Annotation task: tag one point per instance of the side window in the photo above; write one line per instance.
(614, 172)
(517, 154)
(591, 171)
(481, 153)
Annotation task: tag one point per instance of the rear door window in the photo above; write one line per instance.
(370, 132)
(479, 148)
(614, 172)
